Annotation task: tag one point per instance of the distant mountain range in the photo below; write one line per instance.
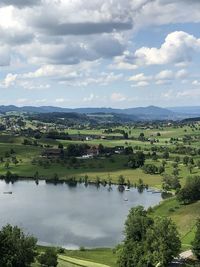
(186, 110)
(139, 113)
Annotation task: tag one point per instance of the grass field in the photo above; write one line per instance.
(183, 215)
(102, 257)
(104, 167)
(99, 255)
(80, 262)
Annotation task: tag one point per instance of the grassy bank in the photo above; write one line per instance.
(183, 215)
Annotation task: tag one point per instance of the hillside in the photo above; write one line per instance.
(139, 113)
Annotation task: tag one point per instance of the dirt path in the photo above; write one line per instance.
(186, 254)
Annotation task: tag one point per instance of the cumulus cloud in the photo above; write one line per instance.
(164, 75)
(73, 51)
(182, 74)
(193, 93)
(55, 32)
(102, 79)
(178, 47)
(79, 75)
(140, 84)
(46, 33)
(30, 85)
(51, 71)
(9, 80)
(196, 83)
(124, 61)
(140, 80)
(140, 77)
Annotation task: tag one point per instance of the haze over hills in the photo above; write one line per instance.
(195, 110)
(138, 113)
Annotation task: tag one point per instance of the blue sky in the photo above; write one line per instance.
(100, 53)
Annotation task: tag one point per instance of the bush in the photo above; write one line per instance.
(150, 169)
(171, 183)
(49, 258)
(60, 250)
(82, 248)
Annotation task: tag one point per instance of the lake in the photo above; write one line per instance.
(68, 216)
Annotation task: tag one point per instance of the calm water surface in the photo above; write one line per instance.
(70, 216)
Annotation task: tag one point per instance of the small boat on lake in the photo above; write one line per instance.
(127, 189)
(125, 199)
(9, 192)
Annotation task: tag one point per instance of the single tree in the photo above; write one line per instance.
(196, 242)
(162, 242)
(16, 248)
(148, 242)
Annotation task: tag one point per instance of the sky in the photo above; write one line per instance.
(100, 53)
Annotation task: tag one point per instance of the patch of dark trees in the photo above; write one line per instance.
(191, 191)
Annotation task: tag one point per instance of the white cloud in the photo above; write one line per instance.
(163, 82)
(124, 62)
(9, 80)
(140, 80)
(40, 101)
(102, 79)
(52, 71)
(90, 98)
(56, 32)
(22, 100)
(140, 77)
(193, 93)
(71, 42)
(140, 84)
(117, 97)
(182, 74)
(162, 78)
(60, 100)
(164, 75)
(196, 83)
(168, 94)
(30, 85)
(178, 47)
(123, 66)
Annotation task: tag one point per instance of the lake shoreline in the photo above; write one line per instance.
(72, 214)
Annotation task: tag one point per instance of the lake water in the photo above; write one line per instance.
(70, 216)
